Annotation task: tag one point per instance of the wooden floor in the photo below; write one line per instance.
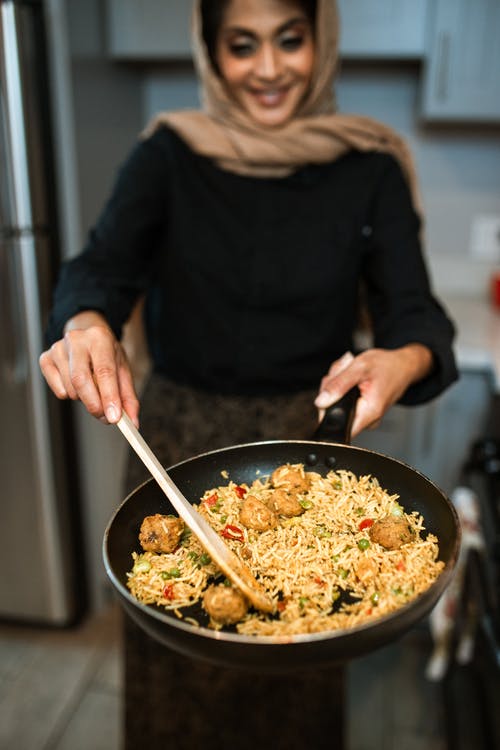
(60, 690)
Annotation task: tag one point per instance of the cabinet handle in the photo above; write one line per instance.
(443, 65)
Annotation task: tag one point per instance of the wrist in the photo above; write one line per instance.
(419, 359)
(85, 319)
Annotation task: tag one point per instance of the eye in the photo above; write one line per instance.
(291, 42)
(242, 47)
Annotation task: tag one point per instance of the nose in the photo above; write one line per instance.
(268, 63)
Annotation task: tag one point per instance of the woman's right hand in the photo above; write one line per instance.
(90, 365)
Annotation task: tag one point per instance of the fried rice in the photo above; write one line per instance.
(321, 568)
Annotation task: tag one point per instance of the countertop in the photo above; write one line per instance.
(478, 333)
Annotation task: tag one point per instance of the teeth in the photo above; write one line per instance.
(269, 96)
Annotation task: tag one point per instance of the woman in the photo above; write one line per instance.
(250, 227)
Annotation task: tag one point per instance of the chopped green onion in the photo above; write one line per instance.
(374, 598)
(363, 544)
(306, 504)
(343, 573)
(335, 595)
(335, 558)
(186, 534)
(141, 565)
(322, 532)
(205, 559)
(397, 510)
(302, 601)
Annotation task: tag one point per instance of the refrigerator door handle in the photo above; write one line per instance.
(15, 132)
(15, 360)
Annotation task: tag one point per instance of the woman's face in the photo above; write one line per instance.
(265, 55)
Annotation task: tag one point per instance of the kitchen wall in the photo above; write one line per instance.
(459, 169)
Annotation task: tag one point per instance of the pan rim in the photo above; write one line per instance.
(425, 600)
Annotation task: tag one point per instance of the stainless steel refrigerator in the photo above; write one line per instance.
(40, 565)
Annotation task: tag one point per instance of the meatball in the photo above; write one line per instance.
(291, 478)
(161, 533)
(255, 514)
(225, 604)
(285, 503)
(391, 532)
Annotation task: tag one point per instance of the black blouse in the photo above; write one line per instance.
(252, 284)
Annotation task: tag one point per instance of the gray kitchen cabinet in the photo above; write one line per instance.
(382, 29)
(148, 29)
(461, 78)
(159, 29)
(435, 438)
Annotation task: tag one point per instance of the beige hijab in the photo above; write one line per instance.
(317, 134)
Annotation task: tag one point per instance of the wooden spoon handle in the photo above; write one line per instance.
(225, 559)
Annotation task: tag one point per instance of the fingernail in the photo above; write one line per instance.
(112, 413)
(323, 400)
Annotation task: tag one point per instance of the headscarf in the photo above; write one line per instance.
(316, 134)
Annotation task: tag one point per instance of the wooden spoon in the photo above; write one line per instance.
(225, 559)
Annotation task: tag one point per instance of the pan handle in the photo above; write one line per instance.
(336, 425)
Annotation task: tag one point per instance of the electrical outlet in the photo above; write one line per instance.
(485, 237)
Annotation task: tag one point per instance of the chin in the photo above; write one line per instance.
(270, 119)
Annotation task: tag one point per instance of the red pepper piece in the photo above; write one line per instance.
(211, 500)
(366, 523)
(281, 606)
(168, 591)
(232, 532)
(240, 491)
(401, 566)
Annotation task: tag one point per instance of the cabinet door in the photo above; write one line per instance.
(382, 28)
(461, 75)
(159, 29)
(149, 29)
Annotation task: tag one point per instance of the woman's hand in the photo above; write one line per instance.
(382, 376)
(89, 364)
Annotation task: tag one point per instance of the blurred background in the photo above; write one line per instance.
(78, 82)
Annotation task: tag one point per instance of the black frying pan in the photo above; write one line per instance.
(243, 464)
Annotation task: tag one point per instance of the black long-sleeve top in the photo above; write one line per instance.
(252, 284)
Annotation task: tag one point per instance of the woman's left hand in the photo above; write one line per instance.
(382, 376)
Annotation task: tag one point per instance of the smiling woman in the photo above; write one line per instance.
(249, 227)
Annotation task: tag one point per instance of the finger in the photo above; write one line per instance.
(130, 402)
(59, 356)
(340, 364)
(52, 375)
(105, 375)
(367, 416)
(82, 373)
(332, 389)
